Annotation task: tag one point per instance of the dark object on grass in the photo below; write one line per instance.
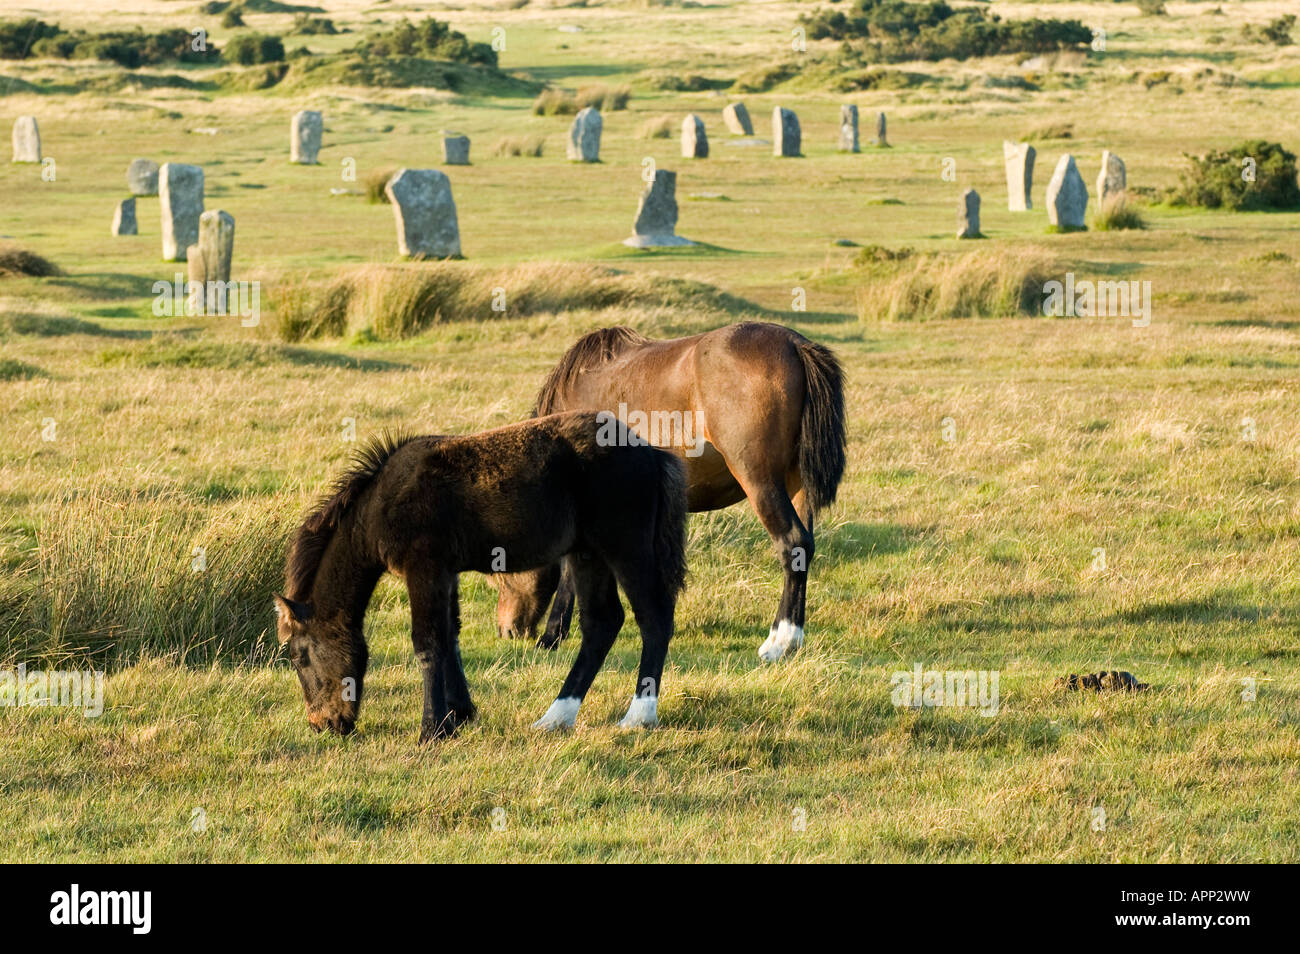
(1104, 681)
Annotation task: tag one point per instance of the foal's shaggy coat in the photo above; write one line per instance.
(516, 498)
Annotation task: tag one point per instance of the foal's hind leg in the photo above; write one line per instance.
(557, 625)
(653, 609)
(600, 616)
(435, 620)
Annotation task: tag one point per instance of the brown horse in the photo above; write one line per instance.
(754, 410)
(523, 496)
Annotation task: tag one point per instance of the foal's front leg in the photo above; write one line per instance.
(435, 614)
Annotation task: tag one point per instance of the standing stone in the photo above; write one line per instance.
(180, 195)
(584, 136)
(304, 137)
(142, 177)
(27, 140)
(881, 139)
(124, 218)
(455, 149)
(1067, 195)
(1018, 157)
(1113, 179)
(196, 280)
(209, 262)
(426, 214)
(968, 215)
(736, 116)
(849, 128)
(786, 138)
(656, 214)
(695, 141)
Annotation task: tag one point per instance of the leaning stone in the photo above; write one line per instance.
(142, 177)
(656, 214)
(849, 128)
(1112, 180)
(180, 195)
(736, 116)
(1067, 195)
(584, 136)
(695, 141)
(786, 138)
(1018, 157)
(27, 140)
(124, 218)
(881, 138)
(455, 149)
(425, 212)
(305, 137)
(968, 215)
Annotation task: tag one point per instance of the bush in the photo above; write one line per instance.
(232, 19)
(984, 284)
(1275, 31)
(250, 49)
(131, 49)
(1117, 214)
(430, 38)
(1216, 180)
(304, 24)
(519, 146)
(18, 261)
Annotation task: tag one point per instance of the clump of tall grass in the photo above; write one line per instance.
(397, 301)
(605, 98)
(657, 127)
(554, 102)
(979, 284)
(120, 579)
(516, 146)
(1117, 213)
(375, 183)
(18, 261)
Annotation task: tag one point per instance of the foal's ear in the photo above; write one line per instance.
(292, 610)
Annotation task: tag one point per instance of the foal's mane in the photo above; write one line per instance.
(589, 351)
(314, 535)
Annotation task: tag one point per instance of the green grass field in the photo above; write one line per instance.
(966, 545)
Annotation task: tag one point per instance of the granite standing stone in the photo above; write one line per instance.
(656, 214)
(584, 136)
(1113, 178)
(455, 149)
(180, 196)
(695, 141)
(881, 138)
(425, 212)
(1067, 195)
(305, 137)
(124, 218)
(736, 116)
(142, 177)
(968, 215)
(786, 138)
(1018, 157)
(27, 140)
(849, 128)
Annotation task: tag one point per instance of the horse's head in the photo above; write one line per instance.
(522, 600)
(330, 659)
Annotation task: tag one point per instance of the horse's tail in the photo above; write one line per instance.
(821, 438)
(670, 522)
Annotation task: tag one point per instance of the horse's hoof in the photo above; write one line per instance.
(783, 639)
(643, 713)
(562, 714)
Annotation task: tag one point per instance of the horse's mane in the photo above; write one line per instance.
(589, 351)
(314, 535)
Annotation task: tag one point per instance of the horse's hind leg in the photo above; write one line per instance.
(794, 541)
(557, 625)
(435, 617)
(600, 616)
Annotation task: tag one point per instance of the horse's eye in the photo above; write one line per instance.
(303, 659)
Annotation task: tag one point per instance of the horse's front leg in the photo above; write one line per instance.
(434, 606)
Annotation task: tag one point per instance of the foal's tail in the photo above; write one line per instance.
(821, 437)
(670, 522)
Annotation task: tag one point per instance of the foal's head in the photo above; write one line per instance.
(330, 658)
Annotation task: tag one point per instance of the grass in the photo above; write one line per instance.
(989, 461)
(1118, 213)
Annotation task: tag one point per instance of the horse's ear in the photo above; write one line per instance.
(292, 610)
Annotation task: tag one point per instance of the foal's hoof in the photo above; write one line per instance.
(448, 726)
(784, 638)
(643, 713)
(561, 715)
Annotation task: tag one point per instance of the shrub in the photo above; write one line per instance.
(1117, 214)
(232, 19)
(519, 146)
(429, 38)
(1275, 31)
(18, 261)
(304, 24)
(249, 49)
(1217, 180)
(985, 284)
(131, 49)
